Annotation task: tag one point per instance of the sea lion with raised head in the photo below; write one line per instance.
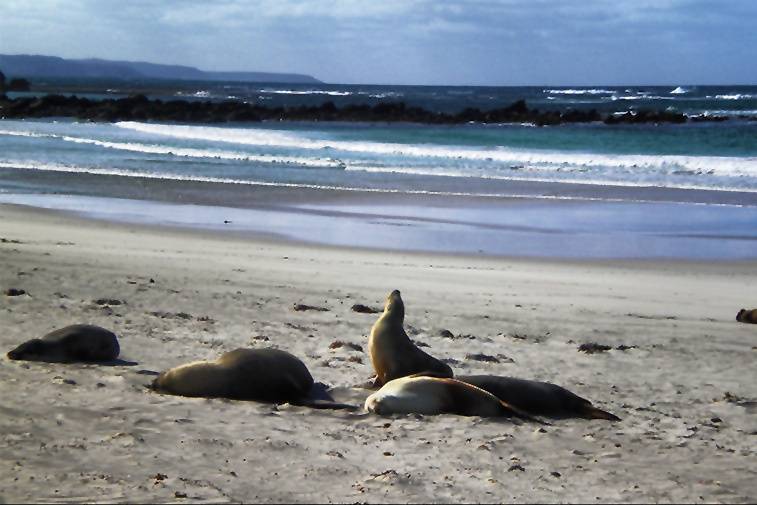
(392, 353)
(538, 398)
(419, 394)
(747, 316)
(266, 375)
(76, 343)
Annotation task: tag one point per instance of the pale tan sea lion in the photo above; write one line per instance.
(747, 316)
(392, 353)
(435, 395)
(538, 398)
(75, 343)
(267, 375)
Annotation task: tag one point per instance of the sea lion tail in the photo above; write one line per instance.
(591, 412)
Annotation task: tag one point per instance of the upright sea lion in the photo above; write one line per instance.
(747, 316)
(425, 395)
(538, 398)
(267, 375)
(75, 343)
(393, 354)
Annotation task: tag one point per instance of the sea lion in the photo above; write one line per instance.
(538, 398)
(267, 375)
(392, 353)
(747, 316)
(75, 343)
(419, 394)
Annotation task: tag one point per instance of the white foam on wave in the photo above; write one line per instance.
(642, 97)
(579, 91)
(116, 172)
(196, 94)
(187, 152)
(305, 92)
(721, 165)
(548, 176)
(680, 90)
(736, 96)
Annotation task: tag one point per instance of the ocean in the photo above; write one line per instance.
(581, 191)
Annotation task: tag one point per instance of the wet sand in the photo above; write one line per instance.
(680, 371)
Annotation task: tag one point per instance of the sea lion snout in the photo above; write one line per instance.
(27, 350)
(740, 315)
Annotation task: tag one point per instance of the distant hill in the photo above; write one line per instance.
(34, 66)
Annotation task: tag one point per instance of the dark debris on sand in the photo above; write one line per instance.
(301, 307)
(593, 348)
(14, 292)
(482, 357)
(340, 343)
(364, 309)
(108, 301)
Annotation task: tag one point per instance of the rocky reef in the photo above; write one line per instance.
(141, 108)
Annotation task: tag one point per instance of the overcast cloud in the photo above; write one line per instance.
(480, 42)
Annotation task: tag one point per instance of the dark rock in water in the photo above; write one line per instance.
(75, 343)
(646, 116)
(141, 108)
(18, 85)
(364, 309)
(593, 347)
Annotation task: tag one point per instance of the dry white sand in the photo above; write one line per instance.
(686, 390)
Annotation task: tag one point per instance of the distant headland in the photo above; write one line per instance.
(37, 66)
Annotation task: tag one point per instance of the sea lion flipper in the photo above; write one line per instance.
(591, 412)
(324, 405)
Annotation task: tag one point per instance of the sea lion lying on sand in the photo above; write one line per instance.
(392, 353)
(76, 343)
(747, 316)
(267, 375)
(537, 398)
(425, 395)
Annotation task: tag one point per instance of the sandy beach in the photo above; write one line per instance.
(680, 373)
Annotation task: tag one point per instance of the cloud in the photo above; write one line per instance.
(405, 41)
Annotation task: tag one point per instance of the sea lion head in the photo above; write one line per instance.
(740, 315)
(379, 404)
(395, 306)
(29, 350)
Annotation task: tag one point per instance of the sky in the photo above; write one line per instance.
(430, 42)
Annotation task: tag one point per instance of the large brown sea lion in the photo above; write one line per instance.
(538, 398)
(392, 353)
(747, 316)
(76, 343)
(267, 375)
(425, 395)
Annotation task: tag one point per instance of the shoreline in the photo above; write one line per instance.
(529, 227)
(677, 374)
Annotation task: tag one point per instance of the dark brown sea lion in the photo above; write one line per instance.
(538, 398)
(76, 343)
(747, 316)
(267, 375)
(392, 353)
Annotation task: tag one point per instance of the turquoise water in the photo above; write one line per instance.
(288, 165)
(469, 159)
